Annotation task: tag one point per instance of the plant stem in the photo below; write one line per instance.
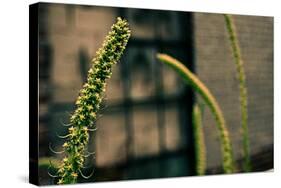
(197, 85)
(200, 149)
(242, 89)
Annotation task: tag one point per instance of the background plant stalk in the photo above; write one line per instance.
(242, 89)
(200, 148)
(197, 85)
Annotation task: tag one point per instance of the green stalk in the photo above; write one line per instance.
(88, 103)
(242, 89)
(200, 149)
(198, 86)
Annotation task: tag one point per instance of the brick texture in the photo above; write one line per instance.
(215, 66)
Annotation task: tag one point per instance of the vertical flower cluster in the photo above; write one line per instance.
(242, 89)
(89, 100)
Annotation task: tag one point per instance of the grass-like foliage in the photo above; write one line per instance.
(88, 103)
(200, 149)
(198, 86)
(242, 89)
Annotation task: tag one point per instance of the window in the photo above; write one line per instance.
(145, 129)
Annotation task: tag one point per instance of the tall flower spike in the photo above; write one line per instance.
(88, 102)
(230, 26)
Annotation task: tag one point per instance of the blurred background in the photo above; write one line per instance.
(144, 127)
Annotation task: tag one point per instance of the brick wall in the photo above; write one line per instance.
(215, 66)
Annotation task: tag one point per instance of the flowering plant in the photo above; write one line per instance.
(88, 103)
